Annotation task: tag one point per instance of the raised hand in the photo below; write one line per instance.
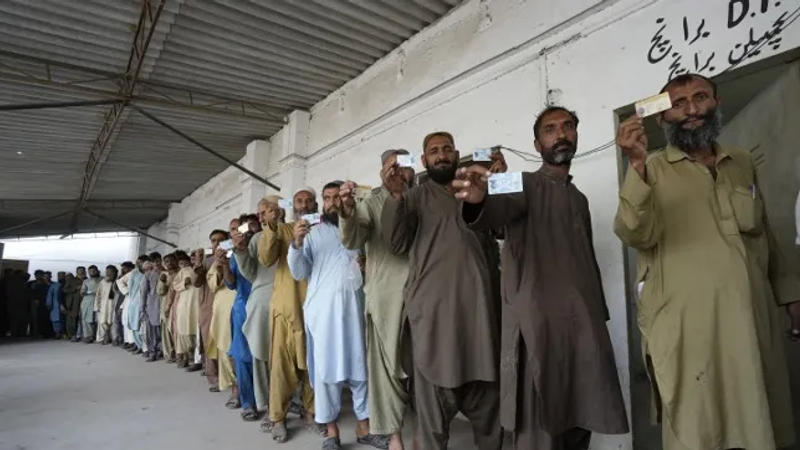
(348, 200)
(238, 240)
(472, 183)
(632, 140)
(498, 161)
(301, 229)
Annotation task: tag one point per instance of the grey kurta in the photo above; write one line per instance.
(386, 274)
(553, 300)
(448, 289)
(256, 327)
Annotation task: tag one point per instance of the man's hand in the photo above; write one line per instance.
(271, 215)
(498, 161)
(301, 229)
(238, 240)
(472, 183)
(221, 256)
(632, 140)
(163, 278)
(348, 201)
(794, 313)
(187, 282)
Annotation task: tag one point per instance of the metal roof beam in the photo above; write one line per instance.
(19, 107)
(128, 227)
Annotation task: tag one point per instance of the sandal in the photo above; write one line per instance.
(233, 403)
(279, 432)
(213, 389)
(332, 443)
(266, 425)
(374, 440)
(317, 428)
(250, 415)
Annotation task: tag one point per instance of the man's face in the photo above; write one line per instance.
(170, 262)
(183, 263)
(81, 273)
(233, 226)
(265, 211)
(140, 264)
(126, 270)
(694, 121)
(62, 276)
(304, 203)
(110, 274)
(215, 239)
(558, 138)
(331, 203)
(94, 273)
(440, 159)
(254, 225)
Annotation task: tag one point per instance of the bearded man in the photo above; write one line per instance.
(708, 274)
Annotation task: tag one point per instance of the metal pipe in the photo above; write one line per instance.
(20, 107)
(209, 150)
(129, 228)
(35, 221)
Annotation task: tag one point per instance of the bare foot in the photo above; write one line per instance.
(396, 442)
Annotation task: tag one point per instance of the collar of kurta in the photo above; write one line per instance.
(674, 154)
(555, 175)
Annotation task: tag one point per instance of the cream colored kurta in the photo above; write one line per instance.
(386, 274)
(707, 314)
(220, 329)
(188, 302)
(103, 305)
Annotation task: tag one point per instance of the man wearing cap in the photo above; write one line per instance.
(288, 369)
(334, 319)
(452, 313)
(386, 273)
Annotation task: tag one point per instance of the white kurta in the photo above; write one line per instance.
(334, 306)
(103, 304)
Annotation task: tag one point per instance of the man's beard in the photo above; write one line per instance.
(443, 175)
(700, 137)
(330, 217)
(560, 153)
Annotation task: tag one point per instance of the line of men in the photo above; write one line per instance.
(33, 308)
(404, 298)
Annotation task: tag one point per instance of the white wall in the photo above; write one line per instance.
(483, 72)
(100, 249)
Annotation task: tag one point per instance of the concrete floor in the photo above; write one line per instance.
(60, 395)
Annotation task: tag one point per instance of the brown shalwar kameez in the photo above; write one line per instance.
(558, 374)
(451, 317)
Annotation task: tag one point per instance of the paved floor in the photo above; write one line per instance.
(60, 395)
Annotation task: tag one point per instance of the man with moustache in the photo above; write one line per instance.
(288, 370)
(558, 377)
(334, 319)
(449, 290)
(386, 274)
(708, 272)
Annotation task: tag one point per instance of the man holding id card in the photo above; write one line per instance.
(711, 277)
(559, 382)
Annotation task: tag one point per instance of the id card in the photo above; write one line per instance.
(505, 183)
(653, 105)
(226, 245)
(482, 154)
(407, 160)
(312, 219)
(361, 192)
(243, 228)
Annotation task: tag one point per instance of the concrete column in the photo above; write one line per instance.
(293, 161)
(256, 159)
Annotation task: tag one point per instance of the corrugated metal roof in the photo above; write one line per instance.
(225, 72)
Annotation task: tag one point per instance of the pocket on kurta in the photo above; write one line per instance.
(747, 208)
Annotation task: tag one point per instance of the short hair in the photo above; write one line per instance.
(435, 134)
(38, 272)
(129, 264)
(79, 268)
(251, 217)
(93, 267)
(549, 110)
(181, 255)
(241, 219)
(333, 184)
(114, 268)
(217, 231)
(686, 78)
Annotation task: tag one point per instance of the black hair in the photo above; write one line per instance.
(222, 232)
(93, 266)
(333, 184)
(251, 217)
(38, 272)
(143, 258)
(128, 264)
(687, 78)
(181, 255)
(154, 256)
(551, 109)
(114, 268)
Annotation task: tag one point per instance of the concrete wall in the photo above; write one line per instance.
(483, 72)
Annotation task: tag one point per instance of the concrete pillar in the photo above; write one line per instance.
(256, 159)
(293, 161)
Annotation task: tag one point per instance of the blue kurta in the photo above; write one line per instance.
(53, 301)
(334, 306)
(239, 348)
